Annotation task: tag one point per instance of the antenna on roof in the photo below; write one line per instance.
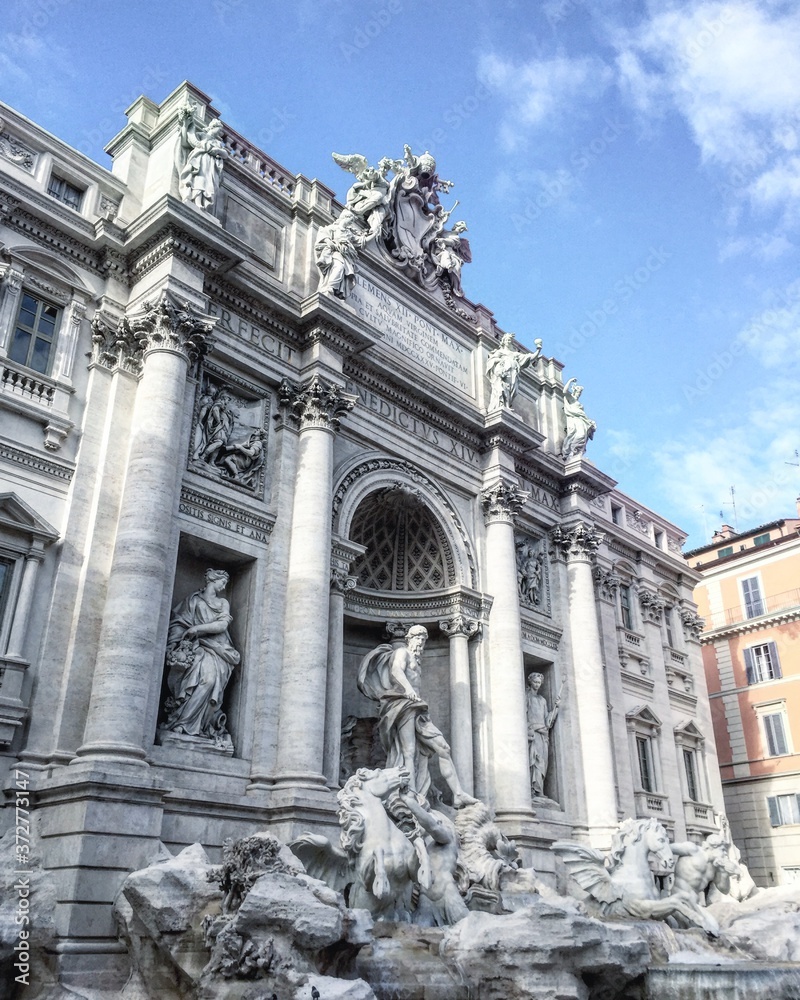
(796, 464)
(733, 505)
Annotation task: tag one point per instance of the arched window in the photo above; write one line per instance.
(407, 548)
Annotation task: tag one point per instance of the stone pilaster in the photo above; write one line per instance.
(578, 543)
(342, 555)
(460, 629)
(505, 683)
(171, 336)
(318, 406)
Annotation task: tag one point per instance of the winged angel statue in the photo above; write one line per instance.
(402, 214)
(623, 883)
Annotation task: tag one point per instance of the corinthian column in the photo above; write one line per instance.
(170, 336)
(318, 406)
(508, 742)
(460, 630)
(578, 544)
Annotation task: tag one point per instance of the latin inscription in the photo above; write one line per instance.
(413, 425)
(220, 521)
(413, 336)
(249, 332)
(539, 496)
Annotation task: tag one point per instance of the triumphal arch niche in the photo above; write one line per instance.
(416, 565)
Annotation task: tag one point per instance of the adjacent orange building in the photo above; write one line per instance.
(749, 597)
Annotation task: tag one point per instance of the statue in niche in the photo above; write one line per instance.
(200, 659)
(580, 429)
(222, 443)
(335, 253)
(390, 675)
(502, 369)
(530, 572)
(203, 154)
(448, 252)
(540, 722)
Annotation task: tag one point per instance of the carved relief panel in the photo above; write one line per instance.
(532, 579)
(229, 431)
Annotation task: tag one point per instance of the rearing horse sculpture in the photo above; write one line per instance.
(623, 882)
(377, 863)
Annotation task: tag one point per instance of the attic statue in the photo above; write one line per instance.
(502, 369)
(203, 154)
(579, 428)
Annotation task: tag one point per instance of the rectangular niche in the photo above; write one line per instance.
(537, 716)
(197, 663)
(229, 436)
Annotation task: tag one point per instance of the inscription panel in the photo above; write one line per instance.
(413, 336)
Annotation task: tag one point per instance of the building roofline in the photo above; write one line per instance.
(742, 534)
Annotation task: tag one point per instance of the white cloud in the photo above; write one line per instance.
(732, 70)
(541, 91)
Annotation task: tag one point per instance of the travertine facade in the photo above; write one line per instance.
(209, 365)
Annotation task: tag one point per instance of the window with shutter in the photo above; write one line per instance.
(775, 734)
(751, 591)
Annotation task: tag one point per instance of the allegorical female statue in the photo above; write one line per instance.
(200, 660)
(204, 154)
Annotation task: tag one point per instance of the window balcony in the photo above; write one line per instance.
(766, 606)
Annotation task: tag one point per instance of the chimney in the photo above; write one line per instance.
(725, 532)
(797, 505)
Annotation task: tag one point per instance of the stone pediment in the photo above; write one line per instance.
(644, 715)
(17, 516)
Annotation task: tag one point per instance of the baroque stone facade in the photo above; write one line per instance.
(195, 387)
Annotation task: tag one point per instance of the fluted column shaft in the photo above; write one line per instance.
(578, 544)
(460, 629)
(506, 681)
(22, 613)
(171, 336)
(301, 739)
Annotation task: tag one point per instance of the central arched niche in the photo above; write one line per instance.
(408, 555)
(407, 549)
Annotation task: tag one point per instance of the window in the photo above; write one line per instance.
(775, 733)
(644, 754)
(35, 331)
(625, 605)
(6, 575)
(751, 592)
(727, 551)
(690, 767)
(64, 191)
(668, 627)
(761, 539)
(616, 513)
(762, 663)
(659, 539)
(783, 809)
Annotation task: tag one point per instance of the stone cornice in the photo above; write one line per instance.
(214, 508)
(585, 480)
(172, 241)
(537, 632)
(78, 251)
(505, 430)
(429, 606)
(360, 372)
(537, 476)
(38, 463)
(219, 290)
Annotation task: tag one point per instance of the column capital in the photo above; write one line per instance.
(316, 403)
(114, 344)
(606, 581)
(460, 625)
(502, 501)
(170, 325)
(11, 276)
(577, 542)
(341, 581)
(692, 623)
(652, 606)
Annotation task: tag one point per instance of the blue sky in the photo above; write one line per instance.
(629, 172)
